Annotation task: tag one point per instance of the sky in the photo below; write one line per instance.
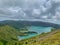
(31, 10)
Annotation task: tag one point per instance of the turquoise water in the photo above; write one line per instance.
(25, 37)
(37, 29)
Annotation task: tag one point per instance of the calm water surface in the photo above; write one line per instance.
(37, 29)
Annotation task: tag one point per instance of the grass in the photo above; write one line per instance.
(1, 43)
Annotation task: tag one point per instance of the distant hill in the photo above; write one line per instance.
(21, 24)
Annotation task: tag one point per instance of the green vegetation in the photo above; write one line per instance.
(8, 33)
(9, 36)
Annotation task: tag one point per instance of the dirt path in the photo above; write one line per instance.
(45, 37)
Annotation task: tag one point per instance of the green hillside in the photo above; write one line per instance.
(8, 33)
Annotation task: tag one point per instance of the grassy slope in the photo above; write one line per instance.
(8, 33)
(53, 39)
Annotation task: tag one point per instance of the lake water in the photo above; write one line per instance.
(37, 29)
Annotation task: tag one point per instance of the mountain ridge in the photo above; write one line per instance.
(19, 24)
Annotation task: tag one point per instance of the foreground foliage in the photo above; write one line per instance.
(9, 35)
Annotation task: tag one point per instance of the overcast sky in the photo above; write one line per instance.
(33, 10)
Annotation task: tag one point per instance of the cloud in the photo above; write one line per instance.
(36, 12)
(44, 17)
(30, 9)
